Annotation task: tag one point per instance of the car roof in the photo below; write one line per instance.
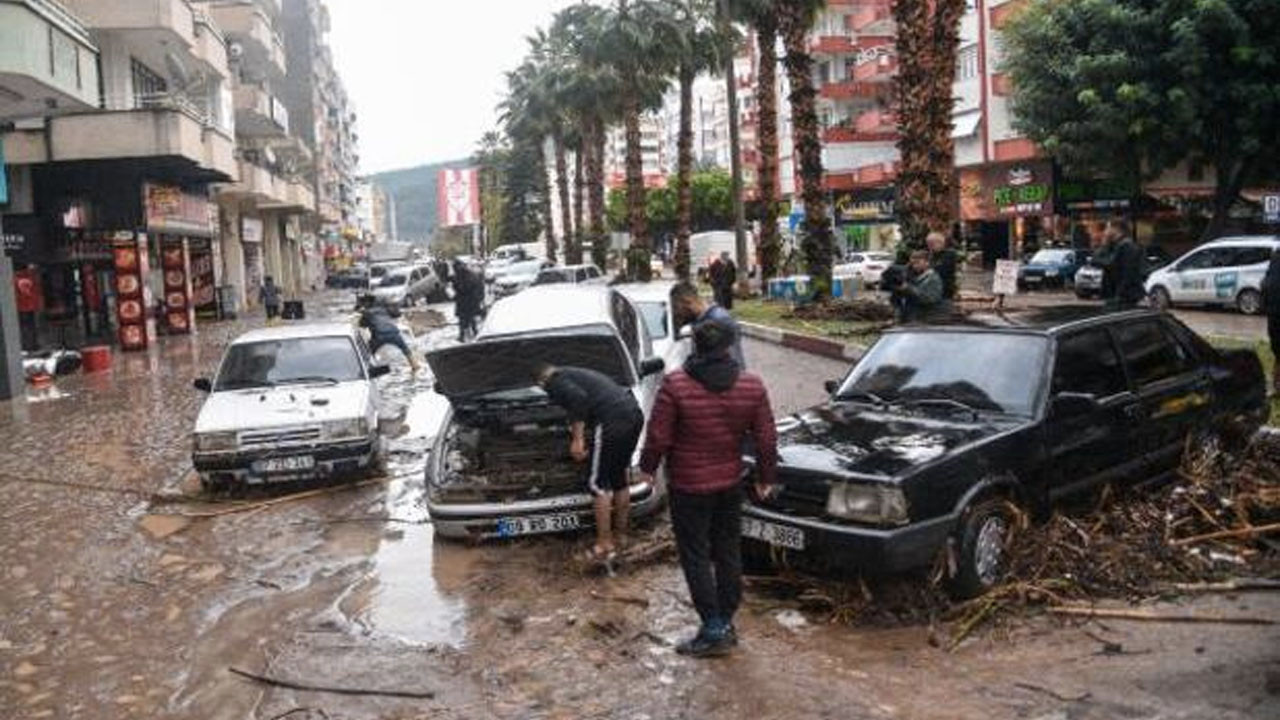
(659, 291)
(1254, 240)
(1042, 321)
(290, 331)
(544, 307)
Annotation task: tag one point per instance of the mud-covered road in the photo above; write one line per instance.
(112, 605)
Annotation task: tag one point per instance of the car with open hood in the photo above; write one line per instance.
(500, 465)
(933, 436)
(289, 403)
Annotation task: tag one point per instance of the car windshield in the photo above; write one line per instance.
(983, 370)
(551, 277)
(377, 272)
(655, 318)
(294, 360)
(394, 280)
(1050, 257)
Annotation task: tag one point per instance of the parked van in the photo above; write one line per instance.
(1225, 272)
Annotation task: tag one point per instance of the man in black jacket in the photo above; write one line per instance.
(944, 262)
(1121, 261)
(1271, 304)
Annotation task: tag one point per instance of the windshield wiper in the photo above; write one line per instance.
(235, 385)
(856, 395)
(942, 402)
(309, 379)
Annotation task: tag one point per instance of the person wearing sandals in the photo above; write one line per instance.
(702, 415)
(606, 412)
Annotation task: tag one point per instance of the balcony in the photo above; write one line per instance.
(832, 45)
(850, 89)
(1003, 12)
(249, 29)
(259, 113)
(1000, 85)
(1015, 149)
(880, 68)
(871, 17)
(211, 46)
(42, 76)
(870, 126)
(154, 132)
(174, 17)
(876, 175)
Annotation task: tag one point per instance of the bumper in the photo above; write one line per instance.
(852, 548)
(331, 460)
(480, 521)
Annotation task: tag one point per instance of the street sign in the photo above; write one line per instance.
(1006, 278)
(1271, 209)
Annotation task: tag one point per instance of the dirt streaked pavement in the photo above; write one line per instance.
(109, 612)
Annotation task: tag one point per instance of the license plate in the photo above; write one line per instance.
(510, 527)
(772, 533)
(285, 464)
(1032, 279)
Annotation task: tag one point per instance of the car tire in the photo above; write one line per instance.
(1160, 299)
(1249, 301)
(378, 467)
(982, 548)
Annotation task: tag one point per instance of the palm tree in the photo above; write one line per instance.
(762, 16)
(927, 39)
(529, 116)
(795, 17)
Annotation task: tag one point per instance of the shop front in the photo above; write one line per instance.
(1007, 209)
(865, 219)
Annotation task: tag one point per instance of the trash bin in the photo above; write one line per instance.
(96, 358)
(228, 304)
(293, 310)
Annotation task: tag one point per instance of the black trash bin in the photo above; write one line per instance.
(293, 310)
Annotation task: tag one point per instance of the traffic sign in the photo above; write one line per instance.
(1271, 209)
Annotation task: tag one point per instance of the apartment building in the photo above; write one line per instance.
(110, 193)
(654, 152)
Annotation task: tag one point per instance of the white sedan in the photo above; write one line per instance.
(865, 266)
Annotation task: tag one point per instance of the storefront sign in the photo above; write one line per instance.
(1006, 278)
(12, 242)
(874, 205)
(170, 209)
(133, 297)
(999, 192)
(179, 314)
(250, 230)
(1103, 194)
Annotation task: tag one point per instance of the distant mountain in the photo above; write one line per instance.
(414, 191)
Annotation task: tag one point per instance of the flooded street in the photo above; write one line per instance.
(125, 595)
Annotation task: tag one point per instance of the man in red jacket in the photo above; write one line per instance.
(702, 414)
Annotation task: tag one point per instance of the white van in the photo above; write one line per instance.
(1225, 272)
(705, 247)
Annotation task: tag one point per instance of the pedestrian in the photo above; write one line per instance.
(1122, 260)
(269, 294)
(703, 414)
(1271, 304)
(944, 261)
(598, 406)
(724, 275)
(379, 321)
(468, 297)
(690, 308)
(923, 297)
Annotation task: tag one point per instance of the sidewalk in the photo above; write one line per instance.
(813, 344)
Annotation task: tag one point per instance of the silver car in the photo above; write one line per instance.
(500, 466)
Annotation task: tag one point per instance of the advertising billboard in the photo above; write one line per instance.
(458, 197)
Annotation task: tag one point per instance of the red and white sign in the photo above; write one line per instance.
(458, 197)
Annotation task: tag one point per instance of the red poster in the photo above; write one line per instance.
(26, 285)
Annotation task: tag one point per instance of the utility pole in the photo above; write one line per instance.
(12, 381)
(735, 148)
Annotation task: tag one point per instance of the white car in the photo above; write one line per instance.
(288, 403)
(500, 466)
(570, 275)
(865, 266)
(653, 300)
(1226, 272)
(517, 276)
(406, 285)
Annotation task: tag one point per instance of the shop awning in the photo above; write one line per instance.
(965, 124)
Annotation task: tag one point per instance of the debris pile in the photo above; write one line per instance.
(860, 310)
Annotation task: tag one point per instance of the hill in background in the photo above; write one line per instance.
(414, 191)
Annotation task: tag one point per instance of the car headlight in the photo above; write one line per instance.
(875, 504)
(216, 442)
(346, 429)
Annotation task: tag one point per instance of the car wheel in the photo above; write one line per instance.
(983, 553)
(378, 468)
(1249, 301)
(1160, 299)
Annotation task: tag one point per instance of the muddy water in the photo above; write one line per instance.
(108, 610)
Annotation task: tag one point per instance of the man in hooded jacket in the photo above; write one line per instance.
(701, 416)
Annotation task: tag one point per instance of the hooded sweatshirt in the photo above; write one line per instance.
(701, 416)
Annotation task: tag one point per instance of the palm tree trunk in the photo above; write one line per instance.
(637, 261)
(684, 173)
(767, 99)
(544, 200)
(562, 192)
(818, 244)
(573, 251)
(595, 191)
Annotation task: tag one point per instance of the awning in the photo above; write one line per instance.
(965, 124)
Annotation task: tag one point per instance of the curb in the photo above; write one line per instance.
(811, 344)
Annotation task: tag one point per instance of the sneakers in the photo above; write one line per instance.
(713, 640)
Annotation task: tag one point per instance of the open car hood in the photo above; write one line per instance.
(507, 362)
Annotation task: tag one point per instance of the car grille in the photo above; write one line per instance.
(801, 496)
(287, 436)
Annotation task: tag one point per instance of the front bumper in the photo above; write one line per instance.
(480, 521)
(860, 549)
(331, 460)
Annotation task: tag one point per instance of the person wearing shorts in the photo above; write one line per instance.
(604, 414)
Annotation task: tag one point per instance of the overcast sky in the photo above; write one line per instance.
(426, 75)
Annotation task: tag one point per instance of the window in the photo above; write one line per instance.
(1151, 353)
(1208, 258)
(1251, 256)
(655, 318)
(628, 325)
(581, 274)
(294, 360)
(1087, 363)
(967, 63)
(147, 83)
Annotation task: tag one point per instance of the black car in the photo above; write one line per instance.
(936, 430)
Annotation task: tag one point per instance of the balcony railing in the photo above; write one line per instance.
(184, 104)
(876, 69)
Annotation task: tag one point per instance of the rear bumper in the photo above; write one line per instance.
(479, 521)
(331, 460)
(852, 548)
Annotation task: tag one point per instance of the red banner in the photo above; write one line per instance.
(458, 197)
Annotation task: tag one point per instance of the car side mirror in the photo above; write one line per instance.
(652, 366)
(203, 385)
(377, 371)
(1073, 404)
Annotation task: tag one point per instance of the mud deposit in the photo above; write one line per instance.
(113, 606)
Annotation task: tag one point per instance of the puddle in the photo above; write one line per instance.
(406, 601)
